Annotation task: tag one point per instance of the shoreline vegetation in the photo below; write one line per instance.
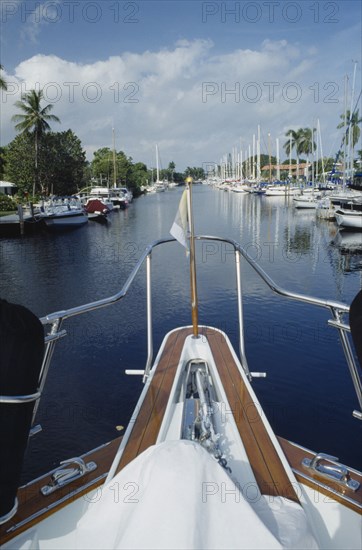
(42, 163)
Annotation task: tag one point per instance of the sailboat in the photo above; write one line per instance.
(199, 466)
(159, 185)
(119, 196)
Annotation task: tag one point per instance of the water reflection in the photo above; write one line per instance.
(88, 393)
(349, 245)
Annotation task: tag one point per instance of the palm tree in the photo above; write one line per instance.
(352, 129)
(307, 145)
(353, 122)
(3, 85)
(34, 120)
(293, 143)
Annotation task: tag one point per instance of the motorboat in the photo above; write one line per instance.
(120, 197)
(62, 213)
(101, 193)
(199, 465)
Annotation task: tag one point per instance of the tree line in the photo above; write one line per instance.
(41, 161)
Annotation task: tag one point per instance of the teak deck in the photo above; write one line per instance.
(267, 466)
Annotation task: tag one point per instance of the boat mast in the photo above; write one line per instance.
(157, 166)
(114, 162)
(258, 167)
(350, 131)
(269, 153)
(345, 136)
(194, 302)
(278, 159)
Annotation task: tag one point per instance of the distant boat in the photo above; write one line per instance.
(309, 201)
(281, 190)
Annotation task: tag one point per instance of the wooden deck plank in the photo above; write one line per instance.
(264, 459)
(150, 416)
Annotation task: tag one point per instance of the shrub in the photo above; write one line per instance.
(7, 204)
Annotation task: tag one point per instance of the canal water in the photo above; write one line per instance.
(307, 393)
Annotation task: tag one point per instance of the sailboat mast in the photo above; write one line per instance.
(258, 167)
(114, 162)
(269, 153)
(278, 159)
(157, 165)
(193, 285)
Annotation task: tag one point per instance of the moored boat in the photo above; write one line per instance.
(63, 213)
(198, 452)
(281, 190)
(348, 219)
(307, 201)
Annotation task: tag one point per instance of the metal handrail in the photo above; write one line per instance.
(338, 309)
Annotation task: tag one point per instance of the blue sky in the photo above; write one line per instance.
(195, 77)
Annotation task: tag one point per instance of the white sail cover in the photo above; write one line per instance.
(176, 496)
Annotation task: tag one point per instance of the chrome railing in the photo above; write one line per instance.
(337, 309)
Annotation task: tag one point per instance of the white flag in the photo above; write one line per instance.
(179, 228)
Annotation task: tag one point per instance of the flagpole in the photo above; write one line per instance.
(193, 285)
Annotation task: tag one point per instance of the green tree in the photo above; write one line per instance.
(352, 127)
(353, 122)
(171, 169)
(138, 177)
(3, 85)
(302, 141)
(307, 144)
(127, 173)
(61, 163)
(34, 120)
(294, 143)
(101, 164)
(2, 162)
(196, 173)
(22, 173)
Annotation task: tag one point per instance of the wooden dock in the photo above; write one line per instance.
(13, 224)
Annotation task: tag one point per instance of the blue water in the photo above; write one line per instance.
(307, 394)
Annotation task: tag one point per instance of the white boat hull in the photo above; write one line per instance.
(305, 202)
(66, 220)
(349, 219)
(281, 192)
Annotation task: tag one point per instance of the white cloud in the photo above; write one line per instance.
(43, 14)
(194, 104)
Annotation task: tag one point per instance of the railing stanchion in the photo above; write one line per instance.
(357, 384)
(240, 314)
(149, 318)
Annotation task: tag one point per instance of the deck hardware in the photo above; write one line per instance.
(63, 476)
(55, 336)
(35, 430)
(333, 471)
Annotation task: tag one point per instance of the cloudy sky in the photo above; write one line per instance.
(197, 78)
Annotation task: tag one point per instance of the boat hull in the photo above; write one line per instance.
(349, 219)
(66, 220)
